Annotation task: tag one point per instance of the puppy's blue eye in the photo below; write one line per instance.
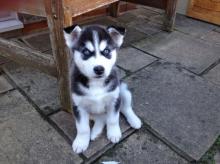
(86, 52)
(106, 53)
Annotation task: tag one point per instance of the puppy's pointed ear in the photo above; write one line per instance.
(117, 33)
(71, 35)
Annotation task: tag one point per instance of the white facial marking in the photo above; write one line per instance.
(89, 46)
(102, 45)
(96, 40)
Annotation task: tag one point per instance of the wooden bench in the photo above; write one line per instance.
(59, 14)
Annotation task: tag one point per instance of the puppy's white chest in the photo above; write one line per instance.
(96, 101)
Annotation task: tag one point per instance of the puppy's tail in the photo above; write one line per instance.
(126, 107)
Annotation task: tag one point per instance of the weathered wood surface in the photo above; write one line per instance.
(114, 9)
(170, 15)
(153, 3)
(27, 57)
(33, 7)
(77, 7)
(207, 10)
(56, 22)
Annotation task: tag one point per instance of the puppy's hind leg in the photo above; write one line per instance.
(126, 108)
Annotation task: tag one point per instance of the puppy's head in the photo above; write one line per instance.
(94, 48)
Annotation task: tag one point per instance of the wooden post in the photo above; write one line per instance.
(57, 19)
(170, 15)
(114, 9)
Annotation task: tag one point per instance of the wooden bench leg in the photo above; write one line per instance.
(114, 9)
(56, 20)
(170, 15)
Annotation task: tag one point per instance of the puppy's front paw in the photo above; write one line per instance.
(80, 143)
(114, 133)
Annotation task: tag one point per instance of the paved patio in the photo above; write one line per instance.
(175, 81)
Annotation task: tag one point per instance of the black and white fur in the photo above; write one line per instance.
(97, 91)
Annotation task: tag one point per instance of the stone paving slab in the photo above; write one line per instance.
(213, 75)
(4, 85)
(140, 13)
(132, 35)
(39, 41)
(196, 55)
(146, 26)
(13, 105)
(66, 123)
(27, 138)
(217, 29)
(192, 26)
(212, 37)
(160, 11)
(181, 107)
(217, 157)
(132, 59)
(40, 87)
(142, 148)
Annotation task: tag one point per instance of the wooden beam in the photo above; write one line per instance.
(27, 57)
(114, 9)
(161, 4)
(56, 20)
(170, 15)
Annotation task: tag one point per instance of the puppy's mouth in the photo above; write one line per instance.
(99, 76)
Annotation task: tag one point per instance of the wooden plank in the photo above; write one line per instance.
(114, 9)
(33, 7)
(206, 10)
(161, 4)
(77, 7)
(56, 19)
(170, 15)
(27, 57)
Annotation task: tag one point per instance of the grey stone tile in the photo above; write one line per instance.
(126, 18)
(217, 157)
(3, 60)
(4, 84)
(192, 26)
(146, 26)
(196, 55)
(132, 59)
(41, 88)
(105, 21)
(13, 104)
(132, 35)
(121, 73)
(217, 29)
(39, 41)
(27, 138)
(66, 123)
(142, 148)
(181, 107)
(214, 75)
(139, 13)
(143, 13)
(212, 37)
(158, 19)
(160, 11)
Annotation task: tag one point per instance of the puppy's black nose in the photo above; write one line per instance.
(99, 70)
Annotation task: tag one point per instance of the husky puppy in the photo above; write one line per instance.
(97, 92)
